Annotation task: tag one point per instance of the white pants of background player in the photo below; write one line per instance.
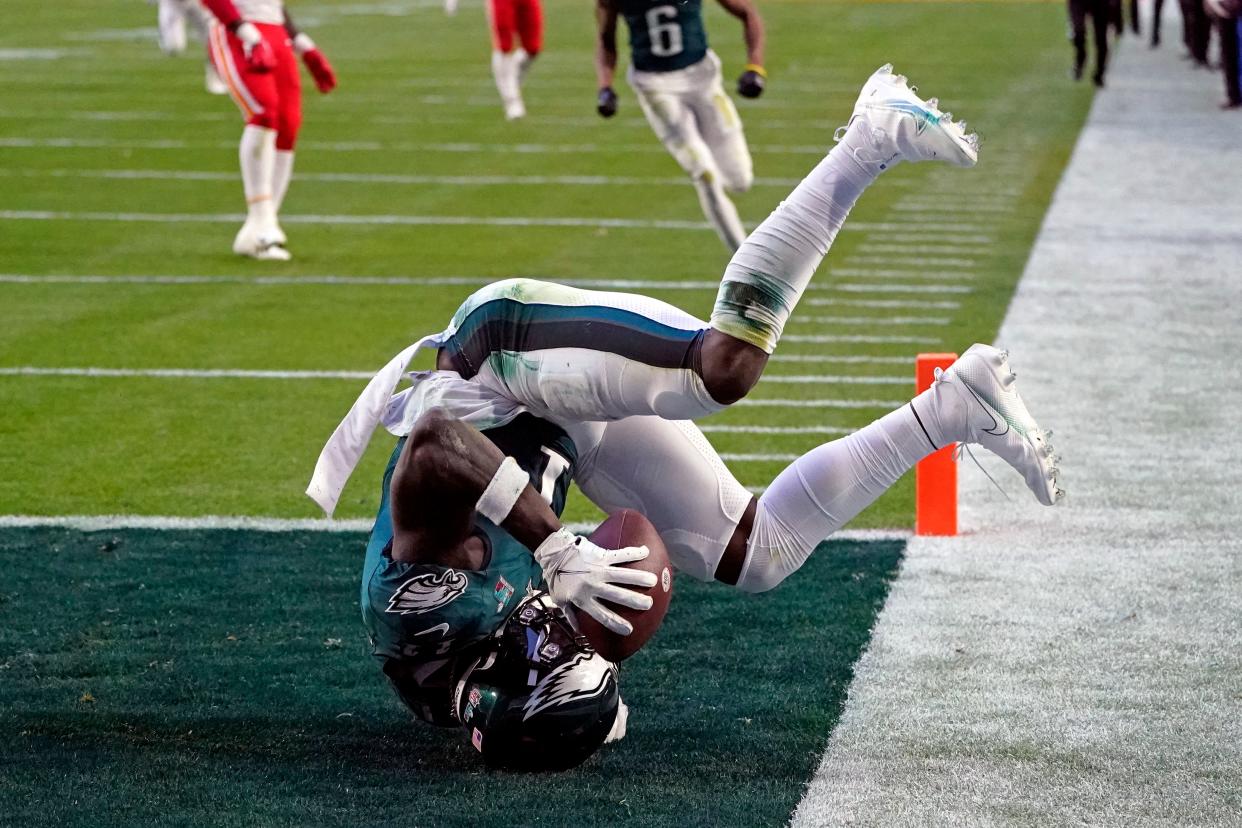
(698, 124)
(173, 17)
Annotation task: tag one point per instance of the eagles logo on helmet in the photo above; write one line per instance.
(541, 698)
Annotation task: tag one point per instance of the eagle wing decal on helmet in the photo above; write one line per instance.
(584, 676)
(426, 592)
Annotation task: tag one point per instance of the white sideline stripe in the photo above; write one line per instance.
(104, 523)
(268, 374)
(742, 429)
(942, 304)
(385, 178)
(469, 221)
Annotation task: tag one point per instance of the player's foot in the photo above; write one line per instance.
(998, 420)
(904, 127)
(213, 83)
(514, 109)
(262, 243)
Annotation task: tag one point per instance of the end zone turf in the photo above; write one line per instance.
(223, 677)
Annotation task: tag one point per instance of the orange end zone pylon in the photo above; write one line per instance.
(935, 477)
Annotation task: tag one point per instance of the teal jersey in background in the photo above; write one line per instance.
(423, 618)
(665, 35)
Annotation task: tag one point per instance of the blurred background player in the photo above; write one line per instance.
(173, 15)
(253, 47)
(677, 80)
(1227, 15)
(509, 20)
(1100, 12)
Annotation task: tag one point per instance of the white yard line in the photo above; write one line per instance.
(277, 374)
(843, 359)
(385, 178)
(472, 148)
(862, 339)
(913, 304)
(751, 402)
(883, 287)
(925, 273)
(774, 430)
(870, 320)
(110, 523)
(1080, 665)
(367, 220)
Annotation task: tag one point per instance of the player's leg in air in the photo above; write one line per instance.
(588, 355)
(714, 528)
(514, 22)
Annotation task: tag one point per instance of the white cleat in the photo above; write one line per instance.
(265, 245)
(904, 127)
(212, 82)
(514, 109)
(999, 421)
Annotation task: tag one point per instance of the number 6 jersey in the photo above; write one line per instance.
(665, 35)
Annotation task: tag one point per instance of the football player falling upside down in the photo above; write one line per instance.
(469, 573)
(254, 45)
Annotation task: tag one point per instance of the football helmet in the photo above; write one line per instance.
(540, 698)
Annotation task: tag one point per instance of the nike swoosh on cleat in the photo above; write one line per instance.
(996, 418)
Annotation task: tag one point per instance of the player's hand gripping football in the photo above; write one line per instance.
(606, 103)
(316, 63)
(752, 82)
(259, 55)
(580, 573)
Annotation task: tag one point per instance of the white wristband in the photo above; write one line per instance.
(506, 486)
(303, 44)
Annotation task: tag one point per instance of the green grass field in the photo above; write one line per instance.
(118, 202)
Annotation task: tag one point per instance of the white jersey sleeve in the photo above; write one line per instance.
(261, 11)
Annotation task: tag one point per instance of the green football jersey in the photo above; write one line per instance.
(664, 34)
(422, 618)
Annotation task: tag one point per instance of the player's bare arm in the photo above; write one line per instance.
(606, 57)
(753, 80)
(448, 472)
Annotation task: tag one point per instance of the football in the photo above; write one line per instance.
(630, 528)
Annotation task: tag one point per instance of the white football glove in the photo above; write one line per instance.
(580, 573)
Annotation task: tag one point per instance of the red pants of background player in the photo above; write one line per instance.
(272, 100)
(521, 17)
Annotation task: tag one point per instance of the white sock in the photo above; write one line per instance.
(719, 210)
(825, 488)
(258, 160)
(505, 73)
(522, 60)
(282, 171)
(772, 268)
